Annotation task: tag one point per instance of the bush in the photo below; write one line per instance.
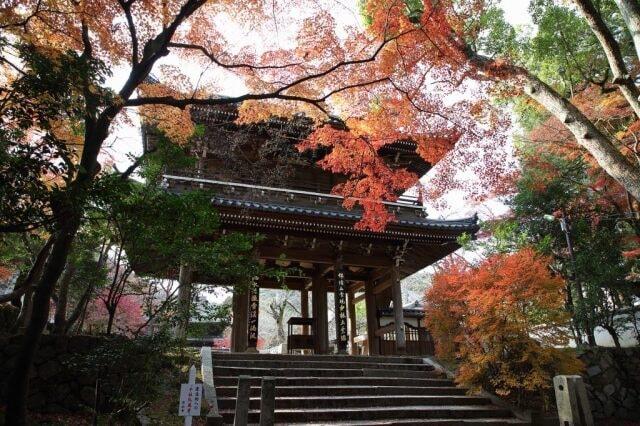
(126, 372)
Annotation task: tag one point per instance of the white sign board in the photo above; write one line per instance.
(190, 399)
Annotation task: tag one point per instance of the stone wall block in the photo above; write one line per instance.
(48, 370)
(612, 380)
(11, 349)
(54, 386)
(46, 353)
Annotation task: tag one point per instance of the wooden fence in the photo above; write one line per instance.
(419, 341)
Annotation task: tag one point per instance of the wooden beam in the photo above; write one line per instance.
(239, 336)
(382, 286)
(304, 309)
(398, 312)
(296, 285)
(299, 255)
(359, 298)
(379, 274)
(356, 286)
(351, 311)
(319, 312)
(372, 319)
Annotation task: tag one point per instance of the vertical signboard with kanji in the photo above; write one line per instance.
(254, 308)
(190, 398)
(340, 297)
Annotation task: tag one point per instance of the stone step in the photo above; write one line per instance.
(418, 422)
(360, 401)
(231, 391)
(328, 416)
(320, 372)
(287, 357)
(342, 365)
(232, 381)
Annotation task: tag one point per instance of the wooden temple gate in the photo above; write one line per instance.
(305, 226)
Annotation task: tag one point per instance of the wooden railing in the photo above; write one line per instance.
(418, 340)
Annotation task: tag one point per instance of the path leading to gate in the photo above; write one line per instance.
(352, 390)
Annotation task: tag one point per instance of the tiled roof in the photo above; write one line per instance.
(461, 225)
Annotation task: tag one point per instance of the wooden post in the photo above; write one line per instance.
(572, 402)
(254, 310)
(319, 311)
(241, 417)
(398, 313)
(340, 299)
(304, 308)
(351, 309)
(209, 390)
(268, 401)
(184, 300)
(240, 304)
(372, 318)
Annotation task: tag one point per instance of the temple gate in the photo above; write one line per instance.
(305, 226)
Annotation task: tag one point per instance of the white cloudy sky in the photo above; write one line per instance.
(126, 141)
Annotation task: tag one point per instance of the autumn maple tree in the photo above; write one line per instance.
(461, 46)
(503, 319)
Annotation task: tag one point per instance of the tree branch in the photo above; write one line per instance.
(129, 170)
(216, 61)
(126, 7)
(621, 77)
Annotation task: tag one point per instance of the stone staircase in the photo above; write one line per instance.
(352, 390)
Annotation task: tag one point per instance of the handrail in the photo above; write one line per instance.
(284, 190)
(213, 416)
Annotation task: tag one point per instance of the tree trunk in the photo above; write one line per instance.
(587, 135)
(614, 335)
(621, 77)
(630, 10)
(18, 380)
(591, 338)
(80, 326)
(60, 317)
(79, 309)
(25, 311)
(112, 316)
(184, 300)
(606, 154)
(32, 278)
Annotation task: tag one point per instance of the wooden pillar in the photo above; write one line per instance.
(184, 300)
(319, 312)
(340, 305)
(372, 318)
(351, 309)
(304, 308)
(398, 313)
(254, 310)
(240, 305)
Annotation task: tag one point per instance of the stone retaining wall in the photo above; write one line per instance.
(612, 379)
(54, 386)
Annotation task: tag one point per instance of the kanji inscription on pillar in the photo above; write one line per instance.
(254, 307)
(341, 309)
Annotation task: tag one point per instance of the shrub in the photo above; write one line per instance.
(126, 372)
